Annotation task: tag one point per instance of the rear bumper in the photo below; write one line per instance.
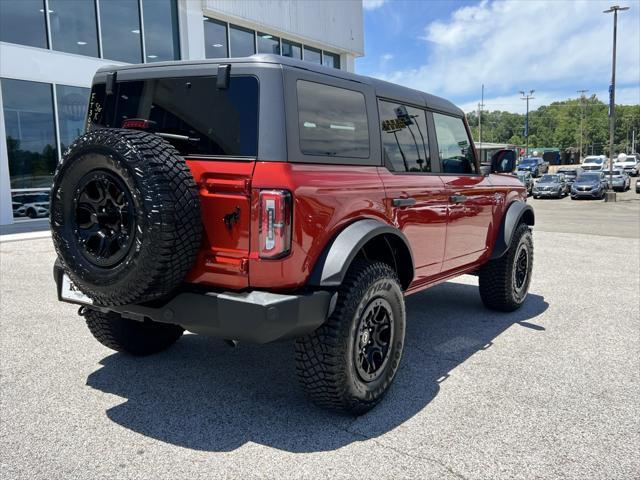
(256, 317)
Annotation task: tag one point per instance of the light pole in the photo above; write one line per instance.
(527, 97)
(480, 107)
(611, 195)
(581, 92)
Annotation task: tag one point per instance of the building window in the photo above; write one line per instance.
(242, 41)
(161, 37)
(23, 22)
(120, 28)
(30, 131)
(72, 111)
(215, 39)
(312, 55)
(268, 43)
(404, 138)
(331, 60)
(332, 121)
(291, 49)
(73, 27)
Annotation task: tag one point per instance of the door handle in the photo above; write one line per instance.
(458, 198)
(403, 202)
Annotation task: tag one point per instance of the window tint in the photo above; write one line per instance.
(202, 119)
(73, 27)
(72, 110)
(242, 41)
(312, 55)
(454, 147)
(404, 138)
(23, 22)
(330, 60)
(120, 28)
(268, 43)
(332, 121)
(31, 138)
(291, 49)
(215, 39)
(161, 30)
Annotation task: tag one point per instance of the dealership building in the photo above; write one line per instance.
(50, 49)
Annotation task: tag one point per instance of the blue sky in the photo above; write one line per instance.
(555, 47)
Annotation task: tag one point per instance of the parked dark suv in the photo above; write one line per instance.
(264, 198)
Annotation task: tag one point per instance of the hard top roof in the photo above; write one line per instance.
(382, 88)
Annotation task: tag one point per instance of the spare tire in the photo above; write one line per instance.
(125, 216)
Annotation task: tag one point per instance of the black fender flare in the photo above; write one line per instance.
(332, 265)
(516, 212)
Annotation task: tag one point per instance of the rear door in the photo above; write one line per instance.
(471, 197)
(415, 193)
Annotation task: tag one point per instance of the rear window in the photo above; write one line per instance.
(194, 115)
(332, 121)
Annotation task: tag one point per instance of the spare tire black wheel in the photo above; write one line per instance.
(125, 216)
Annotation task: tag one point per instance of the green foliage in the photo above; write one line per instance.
(558, 125)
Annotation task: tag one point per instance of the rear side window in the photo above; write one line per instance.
(194, 115)
(404, 137)
(454, 146)
(332, 121)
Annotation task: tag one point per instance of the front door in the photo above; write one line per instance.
(416, 197)
(471, 197)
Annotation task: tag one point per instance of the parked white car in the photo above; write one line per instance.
(628, 163)
(594, 163)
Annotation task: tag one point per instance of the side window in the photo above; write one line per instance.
(404, 137)
(454, 147)
(332, 121)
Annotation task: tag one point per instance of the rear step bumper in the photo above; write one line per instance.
(256, 317)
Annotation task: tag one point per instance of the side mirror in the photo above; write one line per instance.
(503, 161)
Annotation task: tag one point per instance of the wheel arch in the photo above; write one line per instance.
(370, 239)
(515, 213)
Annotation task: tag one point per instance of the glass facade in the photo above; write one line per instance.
(72, 110)
(291, 49)
(215, 39)
(242, 41)
(268, 43)
(23, 22)
(120, 28)
(161, 38)
(312, 55)
(73, 27)
(219, 35)
(30, 131)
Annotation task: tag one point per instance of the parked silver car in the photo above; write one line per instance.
(620, 180)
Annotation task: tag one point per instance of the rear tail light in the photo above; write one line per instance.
(275, 223)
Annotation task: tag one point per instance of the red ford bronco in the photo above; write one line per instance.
(263, 198)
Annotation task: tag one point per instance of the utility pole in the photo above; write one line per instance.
(480, 107)
(581, 92)
(527, 97)
(611, 195)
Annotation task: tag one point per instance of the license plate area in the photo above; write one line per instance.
(70, 293)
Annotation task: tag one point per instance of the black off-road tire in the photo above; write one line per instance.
(167, 227)
(326, 359)
(131, 336)
(497, 278)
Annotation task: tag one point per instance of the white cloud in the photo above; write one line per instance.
(515, 45)
(372, 4)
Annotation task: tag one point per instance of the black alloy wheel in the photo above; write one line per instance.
(104, 222)
(373, 339)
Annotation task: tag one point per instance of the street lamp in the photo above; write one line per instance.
(611, 195)
(527, 97)
(581, 92)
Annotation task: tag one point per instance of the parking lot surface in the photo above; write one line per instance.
(549, 391)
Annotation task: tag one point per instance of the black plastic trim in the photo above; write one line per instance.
(515, 211)
(332, 266)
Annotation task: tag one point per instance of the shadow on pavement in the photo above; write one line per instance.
(203, 395)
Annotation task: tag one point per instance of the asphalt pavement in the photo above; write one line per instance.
(550, 391)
